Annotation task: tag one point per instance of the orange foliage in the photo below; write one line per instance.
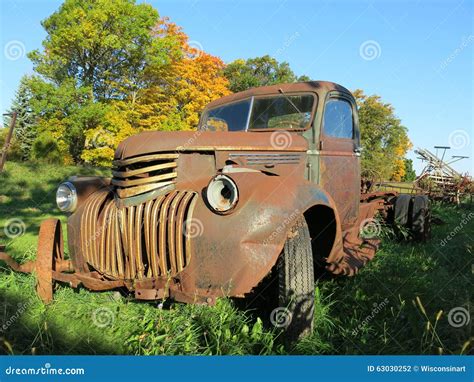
(185, 86)
(177, 94)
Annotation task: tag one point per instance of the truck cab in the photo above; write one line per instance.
(324, 113)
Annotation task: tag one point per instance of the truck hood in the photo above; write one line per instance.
(162, 141)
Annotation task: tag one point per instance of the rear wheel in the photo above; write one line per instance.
(295, 277)
(413, 213)
(421, 218)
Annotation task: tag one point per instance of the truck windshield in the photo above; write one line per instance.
(278, 112)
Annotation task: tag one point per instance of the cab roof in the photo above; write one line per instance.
(319, 87)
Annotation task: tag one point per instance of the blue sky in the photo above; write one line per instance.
(417, 55)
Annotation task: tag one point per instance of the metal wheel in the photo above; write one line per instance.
(50, 252)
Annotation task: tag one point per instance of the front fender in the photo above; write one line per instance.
(233, 253)
(87, 185)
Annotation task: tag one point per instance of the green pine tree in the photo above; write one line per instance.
(410, 174)
(25, 132)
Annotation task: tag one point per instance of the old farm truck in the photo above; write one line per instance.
(267, 192)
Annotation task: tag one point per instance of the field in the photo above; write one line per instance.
(412, 299)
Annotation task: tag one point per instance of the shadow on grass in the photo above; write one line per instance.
(27, 192)
(23, 332)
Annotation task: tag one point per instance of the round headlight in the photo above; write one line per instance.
(66, 197)
(222, 194)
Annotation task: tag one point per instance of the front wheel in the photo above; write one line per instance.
(295, 276)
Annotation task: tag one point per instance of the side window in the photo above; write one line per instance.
(338, 120)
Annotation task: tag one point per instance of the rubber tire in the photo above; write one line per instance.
(402, 210)
(421, 218)
(295, 275)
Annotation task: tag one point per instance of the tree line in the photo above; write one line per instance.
(109, 69)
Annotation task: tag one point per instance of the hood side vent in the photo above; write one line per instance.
(144, 173)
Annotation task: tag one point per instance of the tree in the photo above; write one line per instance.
(410, 174)
(385, 141)
(96, 53)
(102, 44)
(101, 141)
(189, 83)
(259, 71)
(175, 96)
(65, 112)
(25, 129)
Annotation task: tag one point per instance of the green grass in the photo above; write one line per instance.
(391, 307)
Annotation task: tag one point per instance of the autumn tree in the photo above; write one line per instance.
(259, 71)
(175, 95)
(96, 53)
(190, 82)
(384, 139)
(102, 44)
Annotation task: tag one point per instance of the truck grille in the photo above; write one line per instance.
(145, 173)
(148, 240)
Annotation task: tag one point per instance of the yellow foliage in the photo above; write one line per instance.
(101, 142)
(57, 129)
(182, 89)
(399, 171)
(399, 163)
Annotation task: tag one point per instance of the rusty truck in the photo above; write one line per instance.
(263, 196)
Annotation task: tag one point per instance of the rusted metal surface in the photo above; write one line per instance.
(50, 252)
(150, 228)
(144, 173)
(319, 88)
(439, 179)
(146, 240)
(203, 141)
(24, 268)
(339, 176)
(357, 249)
